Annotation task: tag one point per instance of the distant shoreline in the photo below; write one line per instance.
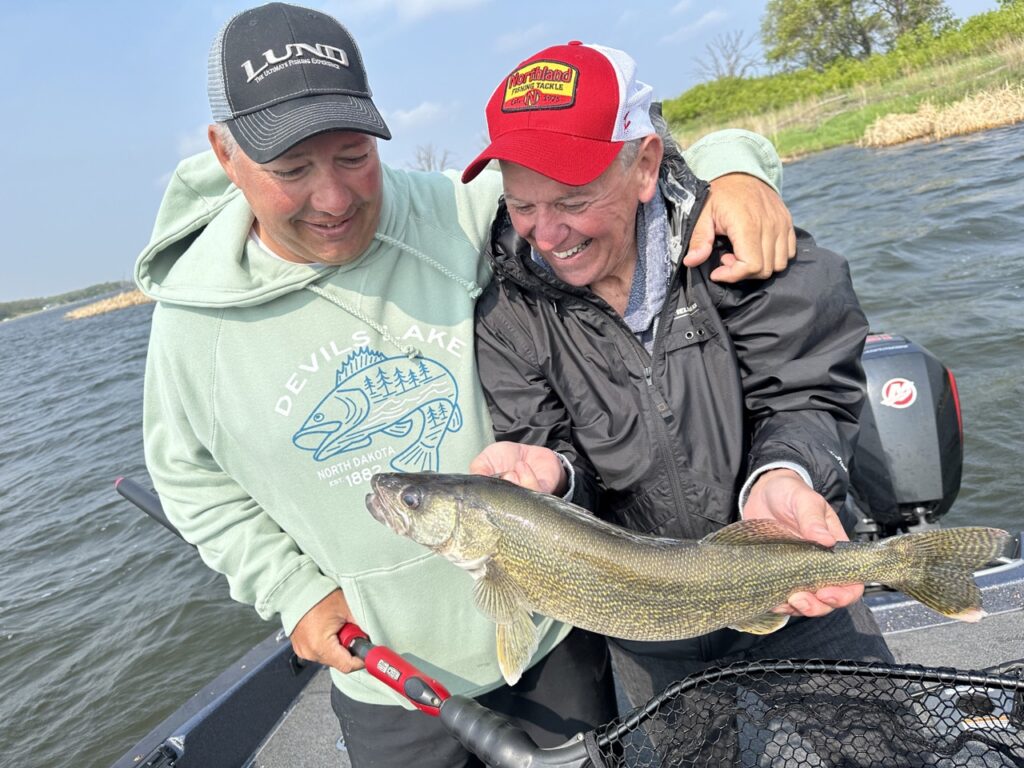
(11, 310)
(121, 301)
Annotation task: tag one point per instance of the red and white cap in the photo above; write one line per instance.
(565, 113)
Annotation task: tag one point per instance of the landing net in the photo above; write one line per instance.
(775, 714)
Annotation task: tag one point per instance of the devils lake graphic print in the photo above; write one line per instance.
(415, 400)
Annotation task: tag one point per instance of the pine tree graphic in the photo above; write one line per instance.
(432, 417)
(383, 381)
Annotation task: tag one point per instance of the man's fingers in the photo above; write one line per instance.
(786, 251)
(814, 517)
(840, 596)
(525, 476)
(496, 459)
(481, 465)
(769, 252)
(835, 526)
(806, 604)
(315, 636)
(813, 528)
(754, 254)
(702, 239)
(334, 655)
(822, 602)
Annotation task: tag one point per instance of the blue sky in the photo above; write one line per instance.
(103, 98)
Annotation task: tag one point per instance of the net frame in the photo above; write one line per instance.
(816, 713)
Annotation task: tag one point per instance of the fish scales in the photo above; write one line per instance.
(688, 589)
(533, 553)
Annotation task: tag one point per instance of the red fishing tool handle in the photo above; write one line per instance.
(424, 692)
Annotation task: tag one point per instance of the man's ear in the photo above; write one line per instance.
(222, 152)
(648, 165)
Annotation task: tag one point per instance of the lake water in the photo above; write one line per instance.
(108, 622)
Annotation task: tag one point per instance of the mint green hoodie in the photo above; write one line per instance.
(275, 390)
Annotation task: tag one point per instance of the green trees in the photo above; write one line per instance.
(814, 33)
(724, 100)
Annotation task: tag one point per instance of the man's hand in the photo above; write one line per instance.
(531, 466)
(757, 223)
(315, 637)
(781, 495)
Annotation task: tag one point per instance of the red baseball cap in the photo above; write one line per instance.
(565, 113)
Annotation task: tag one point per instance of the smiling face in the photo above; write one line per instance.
(588, 233)
(319, 202)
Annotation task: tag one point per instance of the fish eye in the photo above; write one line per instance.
(412, 497)
(318, 417)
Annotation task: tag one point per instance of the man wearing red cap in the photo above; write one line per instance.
(315, 326)
(664, 401)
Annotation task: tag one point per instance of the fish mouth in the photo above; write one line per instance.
(383, 513)
(316, 437)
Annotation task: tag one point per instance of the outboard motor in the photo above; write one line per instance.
(907, 467)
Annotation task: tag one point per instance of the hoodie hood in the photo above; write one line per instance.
(199, 254)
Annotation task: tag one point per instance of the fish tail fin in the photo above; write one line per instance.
(940, 565)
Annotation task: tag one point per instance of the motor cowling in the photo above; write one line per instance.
(908, 463)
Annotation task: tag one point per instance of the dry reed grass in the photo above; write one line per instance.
(978, 112)
(120, 301)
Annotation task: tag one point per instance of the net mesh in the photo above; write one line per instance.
(822, 713)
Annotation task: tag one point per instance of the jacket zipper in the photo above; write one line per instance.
(661, 405)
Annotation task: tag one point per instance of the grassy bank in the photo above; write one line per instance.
(977, 112)
(848, 100)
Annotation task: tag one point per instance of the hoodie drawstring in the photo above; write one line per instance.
(471, 288)
(407, 350)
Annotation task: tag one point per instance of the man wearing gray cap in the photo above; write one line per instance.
(314, 327)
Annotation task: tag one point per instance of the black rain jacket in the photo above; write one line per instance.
(740, 375)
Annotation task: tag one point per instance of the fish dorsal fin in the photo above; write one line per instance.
(357, 361)
(764, 624)
(752, 532)
(516, 643)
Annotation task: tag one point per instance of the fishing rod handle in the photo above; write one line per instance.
(424, 692)
(502, 744)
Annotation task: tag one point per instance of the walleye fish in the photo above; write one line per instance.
(533, 553)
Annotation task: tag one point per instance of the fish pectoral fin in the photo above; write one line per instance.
(399, 428)
(764, 624)
(497, 596)
(517, 640)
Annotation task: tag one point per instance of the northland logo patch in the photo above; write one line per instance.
(541, 85)
(295, 53)
(416, 401)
